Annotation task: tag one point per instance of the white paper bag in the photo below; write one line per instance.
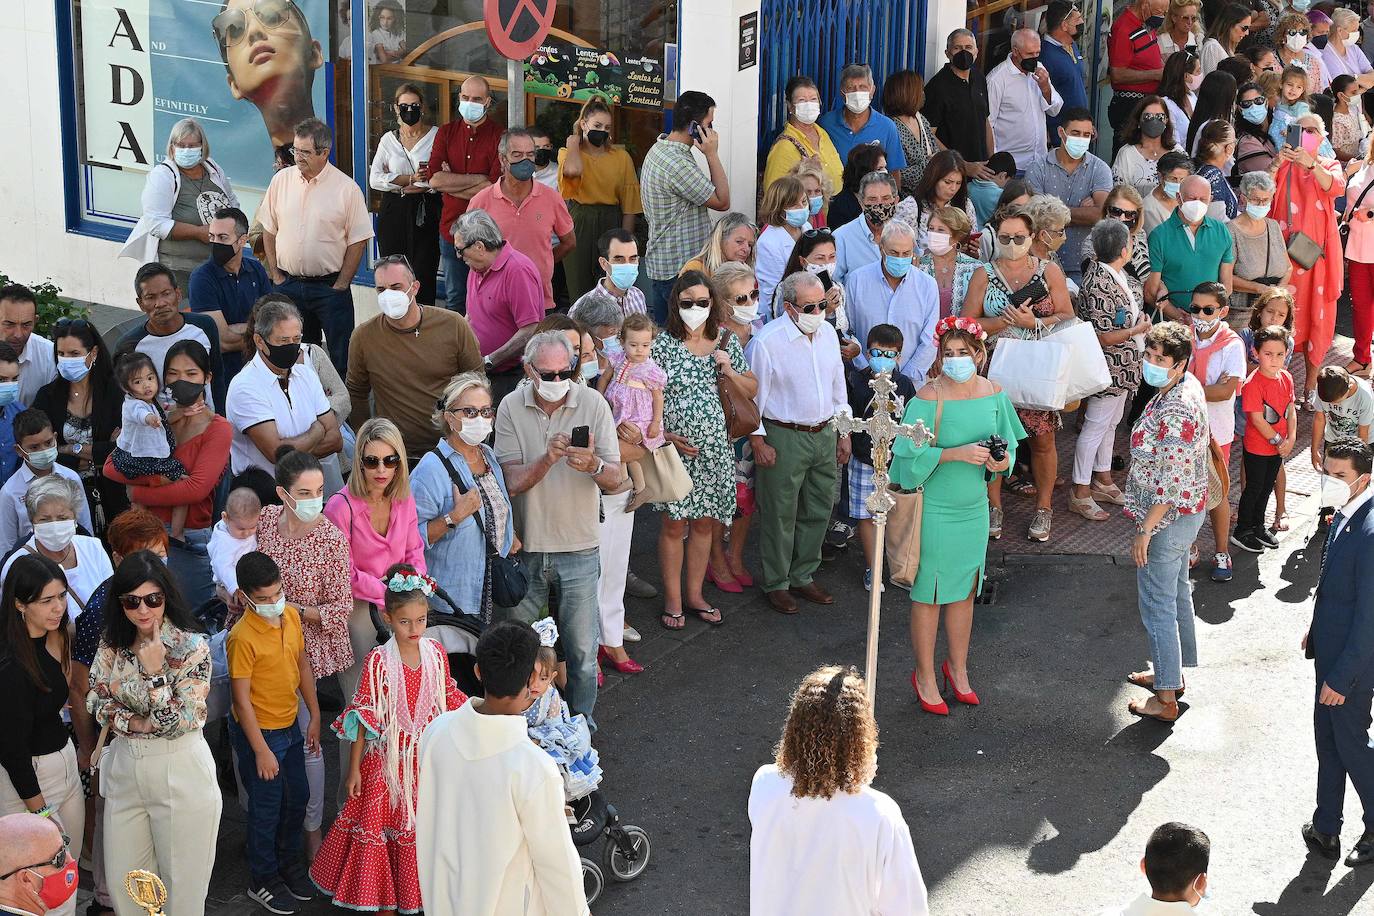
(1033, 373)
(1088, 372)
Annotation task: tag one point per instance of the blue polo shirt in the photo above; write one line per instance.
(1065, 66)
(214, 289)
(9, 458)
(1182, 263)
(879, 127)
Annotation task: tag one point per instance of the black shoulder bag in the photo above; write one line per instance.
(507, 577)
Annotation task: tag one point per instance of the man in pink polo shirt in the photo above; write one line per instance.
(527, 212)
(505, 296)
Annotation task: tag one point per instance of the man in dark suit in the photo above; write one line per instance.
(1341, 640)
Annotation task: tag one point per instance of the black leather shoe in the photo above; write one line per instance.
(1363, 853)
(1323, 844)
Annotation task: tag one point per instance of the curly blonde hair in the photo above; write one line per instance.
(830, 740)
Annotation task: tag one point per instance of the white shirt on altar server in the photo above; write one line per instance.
(850, 854)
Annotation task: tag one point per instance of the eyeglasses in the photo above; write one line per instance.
(751, 296)
(230, 26)
(556, 375)
(395, 259)
(1257, 102)
(472, 413)
(58, 860)
(817, 233)
(694, 303)
(879, 351)
(371, 462)
(1204, 309)
(1292, 32)
(809, 308)
(1012, 239)
(152, 599)
(297, 152)
(1058, 232)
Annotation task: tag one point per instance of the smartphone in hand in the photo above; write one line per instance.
(1294, 136)
(580, 436)
(694, 131)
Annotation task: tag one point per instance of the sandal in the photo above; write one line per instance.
(1362, 372)
(1020, 486)
(1113, 495)
(704, 614)
(1169, 715)
(1088, 509)
(665, 617)
(1146, 680)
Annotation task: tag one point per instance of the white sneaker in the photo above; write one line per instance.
(631, 634)
(1040, 525)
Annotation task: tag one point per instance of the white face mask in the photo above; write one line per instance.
(808, 112)
(808, 323)
(939, 242)
(817, 268)
(1296, 42)
(475, 430)
(858, 102)
(694, 317)
(1193, 210)
(394, 303)
(553, 391)
(745, 313)
(55, 535)
(1335, 492)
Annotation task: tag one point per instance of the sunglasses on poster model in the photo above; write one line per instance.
(371, 462)
(230, 26)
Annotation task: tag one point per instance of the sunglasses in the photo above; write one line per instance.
(694, 303)
(472, 413)
(817, 233)
(1292, 32)
(1126, 216)
(1204, 309)
(809, 308)
(1059, 232)
(394, 258)
(371, 462)
(1012, 239)
(879, 351)
(556, 375)
(230, 26)
(1253, 103)
(67, 323)
(751, 296)
(131, 602)
(58, 860)
(409, 106)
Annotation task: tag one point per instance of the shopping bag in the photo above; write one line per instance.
(1033, 373)
(1088, 372)
(665, 478)
(902, 547)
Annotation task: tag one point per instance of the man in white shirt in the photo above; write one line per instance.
(491, 838)
(36, 446)
(1020, 96)
(888, 291)
(18, 315)
(1175, 864)
(796, 452)
(275, 400)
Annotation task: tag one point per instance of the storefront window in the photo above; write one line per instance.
(247, 71)
(993, 21)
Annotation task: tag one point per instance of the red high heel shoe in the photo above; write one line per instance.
(628, 666)
(939, 709)
(969, 699)
(726, 585)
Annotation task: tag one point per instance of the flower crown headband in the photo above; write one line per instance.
(547, 630)
(409, 582)
(956, 322)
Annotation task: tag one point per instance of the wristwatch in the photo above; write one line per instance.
(449, 522)
(1275, 440)
(487, 363)
(600, 466)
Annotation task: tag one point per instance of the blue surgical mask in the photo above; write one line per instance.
(9, 393)
(72, 368)
(1076, 147)
(880, 364)
(814, 204)
(472, 112)
(895, 266)
(522, 170)
(1255, 114)
(958, 368)
(43, 458)
(270, 611)
(1154, 376)
(307, 510)
(796, 218)
(1171, 188)
(187, 158)
(1301, 5)
(1257, 211)
(611, 346)
(590, 371)
(623, 276)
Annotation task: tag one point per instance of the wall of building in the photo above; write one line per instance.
(942, 17)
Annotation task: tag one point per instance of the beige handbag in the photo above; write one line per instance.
(1218, 477)
(665, 478)
(902, 550)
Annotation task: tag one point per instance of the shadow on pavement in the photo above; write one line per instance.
(1307, 892)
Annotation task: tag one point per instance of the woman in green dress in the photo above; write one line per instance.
(692, 351)
(963, 410)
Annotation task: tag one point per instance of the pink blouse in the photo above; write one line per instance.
(372, 553)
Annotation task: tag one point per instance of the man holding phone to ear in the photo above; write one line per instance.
(676, 195)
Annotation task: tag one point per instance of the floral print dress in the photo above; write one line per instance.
(691, 409)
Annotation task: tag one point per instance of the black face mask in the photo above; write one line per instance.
(283, 356)
(962, 60)
(598, 137)
(222, 253)
(1154, 22)
(186, 393)
(1029, 64)
(542, 157)
(409, 114)
(1319, 41)
(1153, 126)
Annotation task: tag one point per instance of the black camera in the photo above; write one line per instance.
(997, 451)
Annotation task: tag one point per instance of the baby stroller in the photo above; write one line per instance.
(627, 849)
(456, 632)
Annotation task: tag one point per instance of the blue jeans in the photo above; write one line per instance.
(455, 278)
(659, 306)
(189, 562)
(578, 574)
(332, 309)
(276, 807)
(1166, 601)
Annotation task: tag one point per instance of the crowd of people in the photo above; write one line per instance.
(247, 494)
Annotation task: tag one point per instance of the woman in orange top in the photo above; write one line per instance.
(598, 181)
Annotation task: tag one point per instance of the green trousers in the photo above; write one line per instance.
(581, 269)
(795, 497)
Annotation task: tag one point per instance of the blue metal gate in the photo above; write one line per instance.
(818, 37)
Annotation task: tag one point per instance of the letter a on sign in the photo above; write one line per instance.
(516, 27)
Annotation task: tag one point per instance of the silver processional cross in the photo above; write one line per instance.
(883, 428)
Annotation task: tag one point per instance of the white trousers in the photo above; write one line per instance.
(1094, 449)
(162, 809)
(616, 533)
(60, 784)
